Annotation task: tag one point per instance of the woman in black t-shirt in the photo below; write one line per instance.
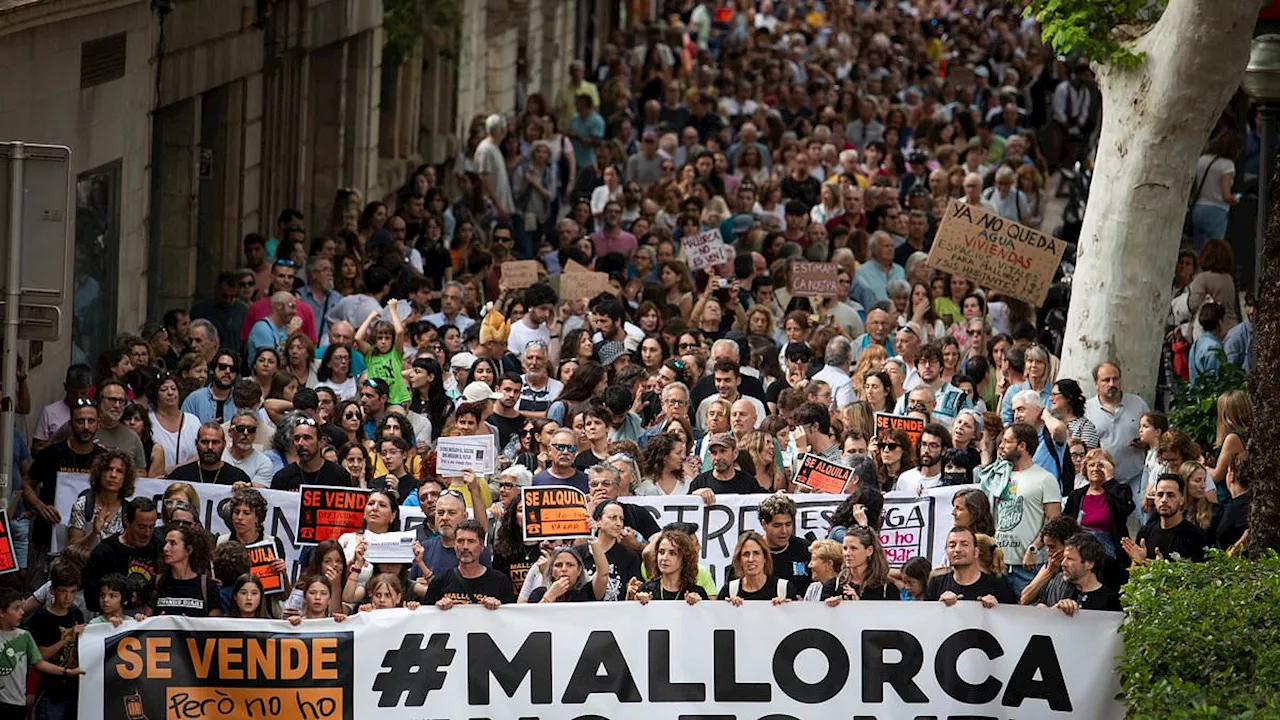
(566, 580)
(512, 556)
(184, 587)
(865, 575)
(677, 562)
(753, 571)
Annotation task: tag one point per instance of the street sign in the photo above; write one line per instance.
(47, 220)
(37, 321)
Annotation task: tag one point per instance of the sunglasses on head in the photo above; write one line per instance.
(450, 492)
(307, 421)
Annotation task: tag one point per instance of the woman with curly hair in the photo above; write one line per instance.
(677, 567)
(245, 513)
(96, 514)
(892, 455)
(662, 467)
(184, 586)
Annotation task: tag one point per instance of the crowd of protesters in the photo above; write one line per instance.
(346, 347)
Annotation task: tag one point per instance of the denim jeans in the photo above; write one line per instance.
(50, 707)
(1208, 222)
(1019, 577)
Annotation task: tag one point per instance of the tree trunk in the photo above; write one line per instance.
(1264, 389)
(1155, 120)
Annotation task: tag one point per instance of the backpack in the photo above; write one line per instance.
(1066, 468)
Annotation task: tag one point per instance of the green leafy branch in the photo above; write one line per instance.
(405, 21)
(1098, 29)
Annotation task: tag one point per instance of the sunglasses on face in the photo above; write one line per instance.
(564, 448)
(890, 446)
(688, 345)
(244, 429)
(228, 367)
(247, 283)
(351, 416)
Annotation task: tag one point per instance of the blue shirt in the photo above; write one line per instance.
(201, 404)
(357, 359)
(591, 127)
(320, 307)
(462, 322)
(1006, 402)
(874, 278)
(1044, 457)
(579, 480)
(1239, 345)
(265, 334)
(1204, 356)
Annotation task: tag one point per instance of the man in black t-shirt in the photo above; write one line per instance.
(777, 514)
(505, 417)
(1082, 557)
(723, 477)
(966, 581)
(1169, 535)
(604, 483)
(311, 467)
(471, 583)
(208, 466)
(134, 553)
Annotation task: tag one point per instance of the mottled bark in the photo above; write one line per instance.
(1264, 388)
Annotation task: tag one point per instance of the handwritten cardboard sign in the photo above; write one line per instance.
(584, 285)
(573, 267)
(456, 455)
(912, 426)
(326, 513)
(519, 274)
(706, 249)
(997, 253)
(811, 279)
(555, 512)
(261, 556)
(822, 475)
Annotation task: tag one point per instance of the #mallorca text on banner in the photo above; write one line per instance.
(615, 661)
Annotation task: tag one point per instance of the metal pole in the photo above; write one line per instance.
(1267, 114)
(12, 296)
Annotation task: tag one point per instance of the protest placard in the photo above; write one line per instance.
(389, 547)
(519, 274)
(584, 285)
(811, 279)
(706, 249)
(912, 426)
(8, 560)
(994, 252)
(555, 512)
(261, 556)
(573, 267)
(821, 475)
(456, 455)
(326, 512)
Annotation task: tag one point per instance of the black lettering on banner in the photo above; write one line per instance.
(725, 672)
(601, 650)
(1040, 657)
(661, 689)
(784, 666)
(948, 657)
(532, 660)
(900, 675)
(723, 526)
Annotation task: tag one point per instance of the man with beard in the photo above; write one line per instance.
(505, 417)
(540, 306)
(282, 276)
(439, 553)
(242, 454)
(928, 474)
(966, 581)
(134, 553)
(723, 477)
(470, 582)
(319, 294)
(112, 434)
(1082, 560)
(428, 493)
(1168, 535)
(213, 402)
(1115, 413)
(948, 400)
(1023, 496)
(209, 467)
(564, 447)
(538, 389)
(311, 468)
(604, 483)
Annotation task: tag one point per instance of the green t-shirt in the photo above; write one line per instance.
(18, 652)
(387, 367)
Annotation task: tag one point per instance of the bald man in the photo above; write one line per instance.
(272, 330)
(743, 417)
(342, 333)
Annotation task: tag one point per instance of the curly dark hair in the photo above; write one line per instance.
(253, 500)
(197, 540)
(100, 465)
(688, 556)
(508, 541)
(230, 561)
(654, 455)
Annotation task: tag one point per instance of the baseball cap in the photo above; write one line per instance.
(479, 391)
(723, 440)
(610, 351)
(463, 361)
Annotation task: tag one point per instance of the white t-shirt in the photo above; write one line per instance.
(1019, 510)
(914, 481)
(521, 334)
(180, 446)
(489, 162)
(1212, 169)
(256, 465)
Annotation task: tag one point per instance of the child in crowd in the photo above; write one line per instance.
(315, 601)
(113, 590)
(56, 629)
(22, 653)
(384, 356)
(75, 557)
(912, 578)
(248, 598)
(230, 561)
(385, 591)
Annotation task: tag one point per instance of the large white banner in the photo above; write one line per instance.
(913, 525)
(614, 661)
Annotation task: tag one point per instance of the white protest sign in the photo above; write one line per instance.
(389, 547)
(706, 249)
(455, 455)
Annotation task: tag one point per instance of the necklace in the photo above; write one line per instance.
(215, 474)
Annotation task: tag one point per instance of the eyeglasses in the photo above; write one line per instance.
(244, 429)
(675, 401)
(506, 486)
(246, 283)
(286, 262)
(114, 400)
(564, 448)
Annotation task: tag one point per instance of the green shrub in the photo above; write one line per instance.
(1202, 640)
(1195, 408)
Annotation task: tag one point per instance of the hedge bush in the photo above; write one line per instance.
(1202, 640)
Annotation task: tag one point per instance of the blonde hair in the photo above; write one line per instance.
(1198, 510)
(1235, 414)
(829, 550)
(869, 361)
(990, 556)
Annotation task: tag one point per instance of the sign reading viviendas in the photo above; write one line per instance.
(995, 252)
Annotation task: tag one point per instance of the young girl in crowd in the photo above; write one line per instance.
(328, 561)
(384, 357)
(315, 603)
(386, 591)
(248, 598)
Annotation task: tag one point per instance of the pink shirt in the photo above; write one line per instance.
(621, 242)
(1094, 513)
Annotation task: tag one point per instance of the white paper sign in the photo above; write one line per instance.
(390, 547)
(457, 454)
(707, 249)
